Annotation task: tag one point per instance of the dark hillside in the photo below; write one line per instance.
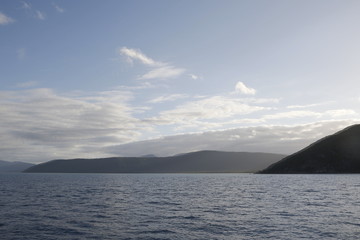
(337, 153)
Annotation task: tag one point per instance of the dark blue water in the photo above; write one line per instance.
(175, 206)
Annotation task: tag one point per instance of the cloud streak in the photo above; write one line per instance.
(58, 8)
(159, 70)
(135, 54)
(198, 113)
(26, 5)
(163, 73)
(4, 20)
(168, 98)
(40, 15)
(33, 12)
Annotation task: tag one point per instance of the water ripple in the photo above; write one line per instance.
(176, 206)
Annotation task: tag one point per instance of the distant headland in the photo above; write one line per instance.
(195, 162)
(337, 153)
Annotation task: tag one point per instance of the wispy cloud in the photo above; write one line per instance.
(240, 87)
(40, 15)
(33, 12)
(26, 5)
(160, 70)
(309, 105)
(194, 77)
(21, 53)
(261, 100)
(142, 85)
(193, 113)
(340, 113)
(276, 139)
(135, 54)
(27, 84)
(51, 126)
(333, 114)
(163, 73)
(167, 98)
(58, 8)
(292, 114)
(4, 20)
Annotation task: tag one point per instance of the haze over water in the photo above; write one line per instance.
(179, 206)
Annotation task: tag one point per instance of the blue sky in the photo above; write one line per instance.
(104, 78)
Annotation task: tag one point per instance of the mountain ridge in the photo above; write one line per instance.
(336, 153)
(193, 162)
(6, 166)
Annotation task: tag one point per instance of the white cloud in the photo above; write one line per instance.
(212, 108)
(163, 72)
(33, 12)
(261, 100)
(40, 125)
(167, 98)
(194, 77)
(309, 105)
(26, 5)
(135, 54)
(4, 20)
(40, 15)
(142, 85)
(303, 106)
(243, 89)
(58, 8)
(335, 113)
(160, 70)
(292, 114)
(340, 113)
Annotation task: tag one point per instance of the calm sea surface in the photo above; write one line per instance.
(177, 206)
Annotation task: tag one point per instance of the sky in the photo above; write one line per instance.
(130, 78)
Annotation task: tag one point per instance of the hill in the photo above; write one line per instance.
(337, 153)
(196, 162)
(6, 166)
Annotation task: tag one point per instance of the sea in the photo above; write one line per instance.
(179, 206)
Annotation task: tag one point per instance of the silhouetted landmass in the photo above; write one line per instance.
(148, 156)
(6, 166)
(196, 162)
(337, 153)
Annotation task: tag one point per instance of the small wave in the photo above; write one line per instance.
(80, 224)
(158, 231)
(351, 223)
(101, 216)
(58, 230)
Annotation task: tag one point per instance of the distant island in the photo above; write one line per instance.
(337, 153)
(6, 166)
(195, 162)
